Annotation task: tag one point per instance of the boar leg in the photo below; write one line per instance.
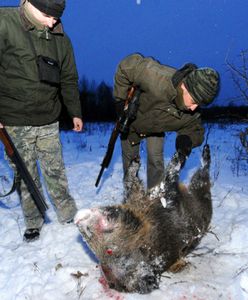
(133, 187)
(200, 182)
(200, 187)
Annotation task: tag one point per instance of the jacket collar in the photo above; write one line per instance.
(57, 29)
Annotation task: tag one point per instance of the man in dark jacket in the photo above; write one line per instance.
(168, 102)
(37, 69)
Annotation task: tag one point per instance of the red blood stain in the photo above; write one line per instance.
(109, 251)
(110, 293)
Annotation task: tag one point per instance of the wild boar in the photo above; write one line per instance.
(137, 241)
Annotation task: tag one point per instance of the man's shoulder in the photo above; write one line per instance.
(9, 10)
(156, 64)
(8, 13)
(160, 75)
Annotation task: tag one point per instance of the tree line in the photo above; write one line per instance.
(97, 103)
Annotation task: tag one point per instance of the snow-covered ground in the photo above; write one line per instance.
(59, 265)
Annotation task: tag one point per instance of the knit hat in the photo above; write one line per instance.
(203, 85)
(52, 8)
(181, 73)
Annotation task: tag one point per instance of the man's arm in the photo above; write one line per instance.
(195, 131)
(69, 85)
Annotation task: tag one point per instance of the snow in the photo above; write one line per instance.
(60, 266)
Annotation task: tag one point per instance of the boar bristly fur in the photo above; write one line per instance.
(137, 241)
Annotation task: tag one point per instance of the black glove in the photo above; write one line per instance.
(183, 145)
(119, 108)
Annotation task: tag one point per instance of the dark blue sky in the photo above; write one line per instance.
(205, 32)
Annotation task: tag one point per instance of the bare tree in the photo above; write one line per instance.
(244, 138)
(239, 75)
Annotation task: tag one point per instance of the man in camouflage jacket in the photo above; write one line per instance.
(30, 105)
(168, 102)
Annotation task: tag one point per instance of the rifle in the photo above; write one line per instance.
(121, 126)
(22, 169)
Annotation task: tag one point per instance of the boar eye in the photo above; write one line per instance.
(112, 213)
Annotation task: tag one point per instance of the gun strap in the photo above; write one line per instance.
(10, 191)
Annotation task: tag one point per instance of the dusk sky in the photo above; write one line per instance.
(206, 32)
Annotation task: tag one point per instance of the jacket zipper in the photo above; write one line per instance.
(46, 30)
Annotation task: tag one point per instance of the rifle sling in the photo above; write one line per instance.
(10, 191)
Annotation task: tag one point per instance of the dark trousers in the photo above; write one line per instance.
(155, 157)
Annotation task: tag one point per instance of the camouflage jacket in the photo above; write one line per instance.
(157, 111)
(24, 100)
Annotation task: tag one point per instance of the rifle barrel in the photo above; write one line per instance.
(109, 152)
(120, 127)
(99, 176)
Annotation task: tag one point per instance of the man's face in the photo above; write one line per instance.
(42, 18)
(187, 99)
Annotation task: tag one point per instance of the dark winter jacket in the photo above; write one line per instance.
(24, 100)
(157, 111)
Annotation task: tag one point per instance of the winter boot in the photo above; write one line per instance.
(31, 235)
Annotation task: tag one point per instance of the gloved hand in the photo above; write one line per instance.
(183, 145)
(119, 108)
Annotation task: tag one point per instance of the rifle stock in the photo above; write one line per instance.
(120, 126)
(22, 169)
